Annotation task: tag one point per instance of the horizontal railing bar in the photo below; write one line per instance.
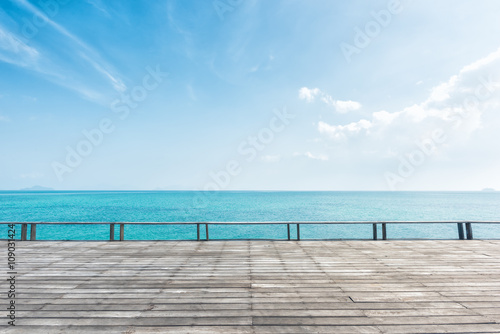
(461, 236)
(259, 223)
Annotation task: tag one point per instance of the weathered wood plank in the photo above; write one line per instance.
(258, 287)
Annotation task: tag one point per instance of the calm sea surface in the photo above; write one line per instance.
(172, 206)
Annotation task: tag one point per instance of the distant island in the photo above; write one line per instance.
(37, 188)
(489, 189)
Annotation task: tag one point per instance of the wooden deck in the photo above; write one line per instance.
(244, 286)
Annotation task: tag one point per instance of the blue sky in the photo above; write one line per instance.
(271, 95)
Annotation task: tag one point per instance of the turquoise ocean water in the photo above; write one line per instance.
(172, 206)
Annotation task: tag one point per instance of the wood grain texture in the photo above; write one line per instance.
(251, 286)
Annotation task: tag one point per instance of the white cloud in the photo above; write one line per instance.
(309, 155)
(321, 157)
(345, 106)
(442, 91)
(457, 106)
(481, 63)
(310, 94)
(384, 116)
(340, 132)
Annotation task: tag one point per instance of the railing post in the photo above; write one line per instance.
(298, 231)
(460, 231)
(24, 231)
(122, 232)
(384, 232)
(288, 230)
(33, 232)
(111, 232)
(198, 232)
(206, 230)
(374, 231)
(468, 228)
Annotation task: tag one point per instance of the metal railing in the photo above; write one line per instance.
(460, 226)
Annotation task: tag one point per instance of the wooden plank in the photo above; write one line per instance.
(259, 286)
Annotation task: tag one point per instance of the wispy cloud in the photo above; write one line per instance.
(117, 83)
(20, 54)
(4, 118)
(339, 132)
(14, 51)
(311, 94)
(188, 47)
(97, 4)
(309, 155)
